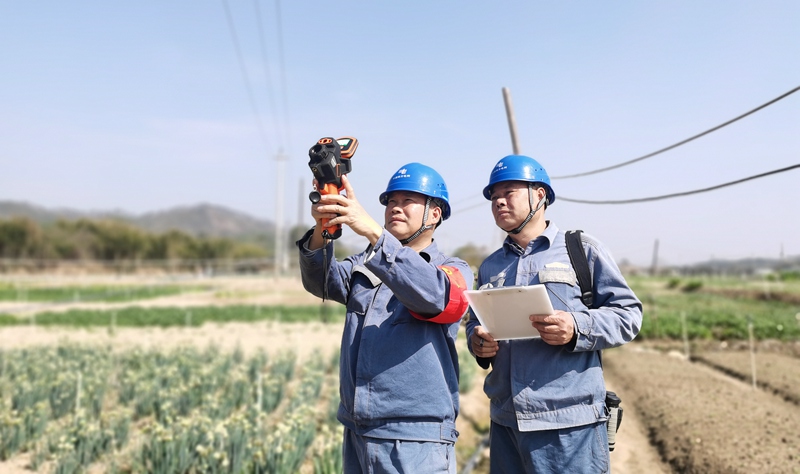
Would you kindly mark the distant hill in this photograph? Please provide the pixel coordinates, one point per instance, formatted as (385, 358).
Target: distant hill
(199, 220)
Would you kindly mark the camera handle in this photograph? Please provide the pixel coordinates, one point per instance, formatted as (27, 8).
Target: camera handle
(329, 159)
(328, 232)
(614, 418)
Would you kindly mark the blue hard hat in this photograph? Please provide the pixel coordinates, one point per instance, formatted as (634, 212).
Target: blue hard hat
(421, 179)
(519, 168)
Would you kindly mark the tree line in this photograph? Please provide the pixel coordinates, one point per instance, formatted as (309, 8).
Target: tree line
(115, 240)
(110, 240)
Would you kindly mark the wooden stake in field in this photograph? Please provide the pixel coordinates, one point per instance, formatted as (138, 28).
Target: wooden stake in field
(685, 336)
(752, 349)
(654, 311)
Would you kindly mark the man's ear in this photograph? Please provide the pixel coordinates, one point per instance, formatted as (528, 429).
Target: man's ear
(435, 213)
(541, 192)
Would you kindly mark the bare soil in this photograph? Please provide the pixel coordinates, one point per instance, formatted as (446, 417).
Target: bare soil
(773, 372)
(703, 421)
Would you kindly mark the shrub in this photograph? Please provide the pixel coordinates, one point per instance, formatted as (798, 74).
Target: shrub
(692, 286)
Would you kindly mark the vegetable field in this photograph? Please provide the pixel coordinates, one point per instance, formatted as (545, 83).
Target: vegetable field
(186, 410)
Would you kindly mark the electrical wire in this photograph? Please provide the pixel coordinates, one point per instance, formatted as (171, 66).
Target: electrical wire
(267, 70)
(685, 193)
(654, 198)
(248, 87)
(469, 208)
(682, 142)
(282, 64)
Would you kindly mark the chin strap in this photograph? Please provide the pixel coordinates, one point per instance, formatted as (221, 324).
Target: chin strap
(532, 210)
(424, 227)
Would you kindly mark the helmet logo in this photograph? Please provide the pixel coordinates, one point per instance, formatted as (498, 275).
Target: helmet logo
(401, 173)
(499, 165)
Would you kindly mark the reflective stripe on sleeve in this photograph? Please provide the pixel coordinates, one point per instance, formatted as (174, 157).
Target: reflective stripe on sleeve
(457, 303)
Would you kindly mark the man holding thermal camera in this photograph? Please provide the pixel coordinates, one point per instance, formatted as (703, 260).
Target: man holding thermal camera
(399, 366)
(547, 394)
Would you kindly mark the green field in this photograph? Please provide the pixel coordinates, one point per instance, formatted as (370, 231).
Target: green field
(135, 316)
(717, 308)
(111, 294)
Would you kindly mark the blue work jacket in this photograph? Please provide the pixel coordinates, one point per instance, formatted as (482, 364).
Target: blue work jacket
(535, 386)
(398, 374)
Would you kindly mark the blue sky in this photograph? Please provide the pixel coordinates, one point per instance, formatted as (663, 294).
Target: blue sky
(142, 107)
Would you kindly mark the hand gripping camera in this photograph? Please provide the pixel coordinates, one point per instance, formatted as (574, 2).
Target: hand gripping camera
(329, 159)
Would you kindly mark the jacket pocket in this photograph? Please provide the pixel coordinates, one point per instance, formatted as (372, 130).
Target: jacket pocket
(362, 290)
(558, 275)
(561, 282)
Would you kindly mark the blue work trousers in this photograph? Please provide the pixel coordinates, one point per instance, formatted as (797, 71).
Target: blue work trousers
(582, 449)
(365, 455)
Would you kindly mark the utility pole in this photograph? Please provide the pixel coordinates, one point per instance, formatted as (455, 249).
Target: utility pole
(301, 201)
(512, 122)
(281, 262)
(654, 266)
(512, 128)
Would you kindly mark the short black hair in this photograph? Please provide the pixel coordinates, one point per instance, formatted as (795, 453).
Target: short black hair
(440, 203)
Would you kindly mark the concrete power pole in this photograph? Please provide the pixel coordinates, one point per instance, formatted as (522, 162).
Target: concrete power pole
(302, 199)
(654, 265)
(281, 260)
(512, 128)
(512, 122)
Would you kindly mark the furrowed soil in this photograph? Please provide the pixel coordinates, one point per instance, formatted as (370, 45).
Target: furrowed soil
(776, 373)
(703, 421)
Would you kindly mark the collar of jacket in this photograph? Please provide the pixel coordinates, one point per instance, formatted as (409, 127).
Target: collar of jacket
(549, 235)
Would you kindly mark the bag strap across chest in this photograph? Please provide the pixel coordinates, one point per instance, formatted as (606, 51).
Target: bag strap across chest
(581, 265)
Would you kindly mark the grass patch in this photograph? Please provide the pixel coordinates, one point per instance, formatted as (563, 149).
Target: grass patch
(9, 320)
(109, 294)
(196, 316)
(710, 316)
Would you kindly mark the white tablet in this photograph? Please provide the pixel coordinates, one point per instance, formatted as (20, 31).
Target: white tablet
(504, 311)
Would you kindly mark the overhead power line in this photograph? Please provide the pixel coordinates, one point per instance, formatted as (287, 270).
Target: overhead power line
(267, 70)
(282, 64)
(248, 87)
(685, 193)
(682, 142)
(655, 198)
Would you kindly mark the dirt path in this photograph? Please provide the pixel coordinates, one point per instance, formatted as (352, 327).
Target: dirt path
(218, 291)
(272, 337)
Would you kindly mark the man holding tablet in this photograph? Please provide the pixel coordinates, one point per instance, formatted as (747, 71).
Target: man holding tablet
(547, 393)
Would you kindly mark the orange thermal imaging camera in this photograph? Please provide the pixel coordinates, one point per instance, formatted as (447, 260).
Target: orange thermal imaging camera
(329, 159)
